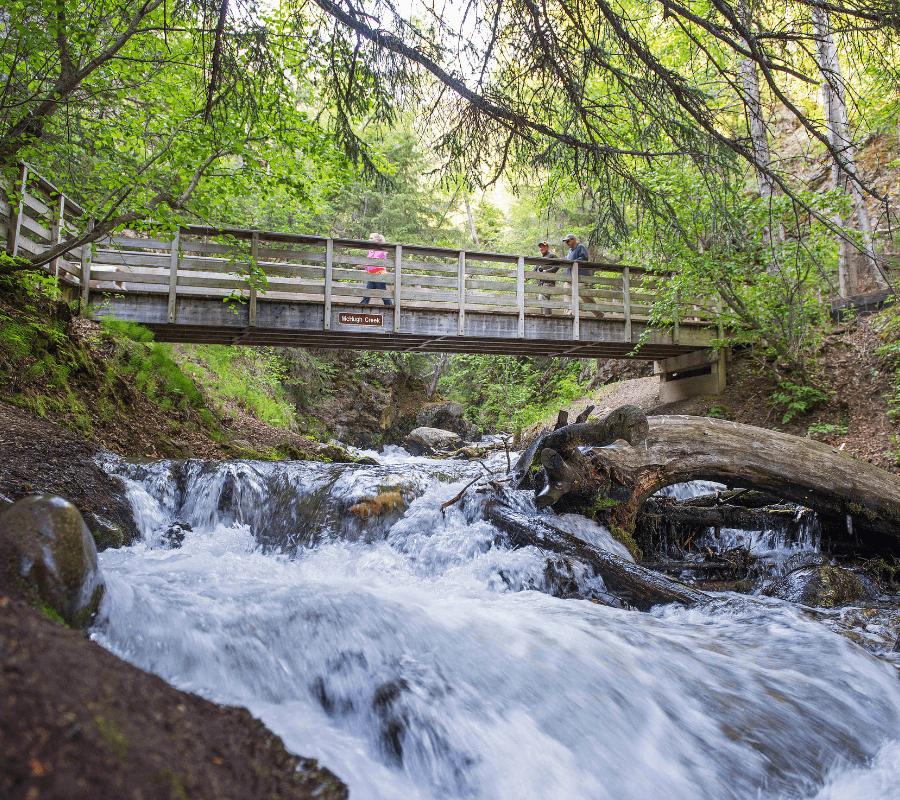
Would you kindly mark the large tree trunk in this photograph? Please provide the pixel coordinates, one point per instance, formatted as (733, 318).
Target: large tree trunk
(843, 169)
(852, 498)
(432, 386)
(756, 126)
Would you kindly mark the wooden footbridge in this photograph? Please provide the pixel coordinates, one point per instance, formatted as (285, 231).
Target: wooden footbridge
(247, 287)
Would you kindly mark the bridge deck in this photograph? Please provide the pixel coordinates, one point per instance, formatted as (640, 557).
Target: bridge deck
(234, 286)
(293, 324)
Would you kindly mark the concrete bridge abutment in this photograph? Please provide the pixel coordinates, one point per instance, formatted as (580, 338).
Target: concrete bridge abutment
(702, 372)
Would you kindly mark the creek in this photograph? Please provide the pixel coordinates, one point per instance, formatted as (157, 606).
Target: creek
(416, 658)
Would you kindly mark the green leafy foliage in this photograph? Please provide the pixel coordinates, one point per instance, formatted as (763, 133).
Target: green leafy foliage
(405, 204)
(250, 378)
(887, 326)
(797, 399)
(153, 369)
(510, 393)
(827, 429)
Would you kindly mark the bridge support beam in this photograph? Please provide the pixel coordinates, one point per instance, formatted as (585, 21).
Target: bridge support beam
(691, 375)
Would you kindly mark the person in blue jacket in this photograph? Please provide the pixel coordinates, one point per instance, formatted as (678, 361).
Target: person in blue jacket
(577, 252)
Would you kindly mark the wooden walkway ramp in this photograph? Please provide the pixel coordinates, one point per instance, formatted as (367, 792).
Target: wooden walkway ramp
(298, 290)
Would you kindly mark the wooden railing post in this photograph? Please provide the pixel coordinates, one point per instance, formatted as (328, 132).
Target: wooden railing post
(576, 310)
(254, 257)
(398, 264)
(15, 214)
(86, 268)
(676, 333)
(626, 301)
(520, 295)
(462, 293)
(173, 277)
(56, 231)
(329, 266)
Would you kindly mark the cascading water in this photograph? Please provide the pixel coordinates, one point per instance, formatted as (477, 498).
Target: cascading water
(794, 544)
(406, 652)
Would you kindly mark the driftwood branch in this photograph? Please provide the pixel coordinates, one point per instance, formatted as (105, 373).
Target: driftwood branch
(568, 471)
(583, 416)
(640, 587)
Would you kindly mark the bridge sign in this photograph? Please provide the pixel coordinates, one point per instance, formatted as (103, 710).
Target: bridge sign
(360, 319)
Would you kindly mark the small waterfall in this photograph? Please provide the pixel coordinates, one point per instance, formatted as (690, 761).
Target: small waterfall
(415, 657)
(286, 505)
(794, 543)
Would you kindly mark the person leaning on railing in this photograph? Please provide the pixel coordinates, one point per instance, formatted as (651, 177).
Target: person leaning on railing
(577, 252)
(376, 269)
(544, 247)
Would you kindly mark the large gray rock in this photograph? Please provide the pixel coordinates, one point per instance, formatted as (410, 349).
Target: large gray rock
(425, 441)
(448, 417)
(53, 553)
(822, 586)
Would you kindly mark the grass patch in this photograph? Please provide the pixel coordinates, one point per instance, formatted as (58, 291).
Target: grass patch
(250, 378)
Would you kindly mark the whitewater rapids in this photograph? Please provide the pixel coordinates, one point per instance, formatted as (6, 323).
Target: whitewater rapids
(415, 658)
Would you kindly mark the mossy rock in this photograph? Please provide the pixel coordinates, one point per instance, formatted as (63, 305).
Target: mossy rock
(53, 557)
(106, 534)
(334, 453)
(291, 452)
(823, 586)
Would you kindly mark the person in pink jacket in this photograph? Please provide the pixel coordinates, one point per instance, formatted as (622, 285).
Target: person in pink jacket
(376, 269)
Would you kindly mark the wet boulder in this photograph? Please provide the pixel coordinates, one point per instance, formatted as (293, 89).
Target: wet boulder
(822, 586)
(173, 537)
(446, 416)
(49, 551)
(106, 533)
(334, 452)
(426, 441)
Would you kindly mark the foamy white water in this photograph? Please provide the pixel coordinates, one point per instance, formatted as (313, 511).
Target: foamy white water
(417, 659)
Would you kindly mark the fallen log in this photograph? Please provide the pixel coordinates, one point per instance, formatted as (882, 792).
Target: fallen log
(857, 503)
(745, 498)
(640, 587)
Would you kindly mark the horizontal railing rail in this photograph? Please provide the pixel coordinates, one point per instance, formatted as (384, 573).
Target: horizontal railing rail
(247, 264)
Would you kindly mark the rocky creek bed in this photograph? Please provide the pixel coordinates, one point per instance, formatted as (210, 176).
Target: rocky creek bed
(372, 616)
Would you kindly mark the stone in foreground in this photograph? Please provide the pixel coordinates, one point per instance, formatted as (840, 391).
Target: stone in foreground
(46, 544)
(822, 586)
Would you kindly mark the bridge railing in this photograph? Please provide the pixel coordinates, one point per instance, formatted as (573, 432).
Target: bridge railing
(35, 216)
(227, 262)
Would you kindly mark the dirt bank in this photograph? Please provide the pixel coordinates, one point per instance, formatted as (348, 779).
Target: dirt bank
(77, 722)
(37, 456)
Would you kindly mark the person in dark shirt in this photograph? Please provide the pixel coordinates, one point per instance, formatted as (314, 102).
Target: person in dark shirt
(544, 247)
(577, 252)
